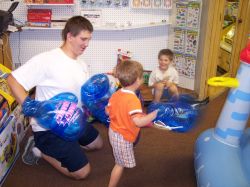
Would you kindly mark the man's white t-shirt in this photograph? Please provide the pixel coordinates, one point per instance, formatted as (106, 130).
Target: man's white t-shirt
(52, 72)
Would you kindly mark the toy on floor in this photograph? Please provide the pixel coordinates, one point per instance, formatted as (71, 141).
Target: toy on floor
(176, 115)
(95, 94)
(222, 153)
(60, 114)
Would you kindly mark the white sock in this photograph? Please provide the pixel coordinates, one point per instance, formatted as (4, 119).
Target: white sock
(37, 152)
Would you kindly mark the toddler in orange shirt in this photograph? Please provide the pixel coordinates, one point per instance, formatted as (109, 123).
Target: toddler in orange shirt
(126, 117)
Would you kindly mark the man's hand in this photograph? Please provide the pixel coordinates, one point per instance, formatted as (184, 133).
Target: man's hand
(30, 107)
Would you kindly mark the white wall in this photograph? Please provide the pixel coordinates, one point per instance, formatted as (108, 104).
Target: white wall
(144, 43)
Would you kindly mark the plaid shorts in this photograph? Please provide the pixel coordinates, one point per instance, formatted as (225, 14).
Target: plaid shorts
(122, 150)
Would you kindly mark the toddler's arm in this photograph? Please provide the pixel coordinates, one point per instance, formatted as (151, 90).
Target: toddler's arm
(144, 120)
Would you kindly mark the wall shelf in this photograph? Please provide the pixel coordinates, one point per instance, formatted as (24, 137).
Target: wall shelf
(105, 28)
(121, 28)
(49, 4)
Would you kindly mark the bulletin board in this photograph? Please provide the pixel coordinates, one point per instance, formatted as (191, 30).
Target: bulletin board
(185, 40)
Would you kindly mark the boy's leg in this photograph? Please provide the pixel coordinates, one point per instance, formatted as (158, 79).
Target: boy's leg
(173, 91)
(115, 175)
(123, 154)
(158, 91)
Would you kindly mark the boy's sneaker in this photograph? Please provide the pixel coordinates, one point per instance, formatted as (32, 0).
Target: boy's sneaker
(28, 156)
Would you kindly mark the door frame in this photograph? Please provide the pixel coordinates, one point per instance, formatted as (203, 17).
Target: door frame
(208, 55)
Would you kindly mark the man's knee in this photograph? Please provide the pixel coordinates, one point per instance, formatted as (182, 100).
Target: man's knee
(82, 173)
(98, 142)
(95, 145)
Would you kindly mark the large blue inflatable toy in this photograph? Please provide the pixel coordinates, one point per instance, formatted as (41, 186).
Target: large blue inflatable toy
(176, 115)
(95, 94)
(60, 114)
(222, 154)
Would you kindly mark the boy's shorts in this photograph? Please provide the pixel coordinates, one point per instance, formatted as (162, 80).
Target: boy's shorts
(122, 150)
(69, 153)
(165, 95)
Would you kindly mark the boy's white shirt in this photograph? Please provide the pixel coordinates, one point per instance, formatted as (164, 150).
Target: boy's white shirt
(170, 74)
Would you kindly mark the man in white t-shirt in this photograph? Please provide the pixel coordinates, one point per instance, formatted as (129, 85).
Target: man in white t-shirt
(51, 73)
(165, 78)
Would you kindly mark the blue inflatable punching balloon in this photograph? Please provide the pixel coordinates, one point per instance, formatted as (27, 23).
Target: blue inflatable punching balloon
(189, 99)
(178, 116)
(60, 114)
(95, 94)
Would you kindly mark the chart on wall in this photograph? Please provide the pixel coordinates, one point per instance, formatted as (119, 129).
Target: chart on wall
(186, 40)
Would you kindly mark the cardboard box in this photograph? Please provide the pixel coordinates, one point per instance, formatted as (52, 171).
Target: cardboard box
(39, 15)
(9, 147)
(6, 56)
(4, 88)
(11, 135)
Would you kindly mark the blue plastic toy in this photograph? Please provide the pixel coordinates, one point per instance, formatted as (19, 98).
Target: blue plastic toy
(95, 94)
(60, 114)
(222, 153)
(178, 115)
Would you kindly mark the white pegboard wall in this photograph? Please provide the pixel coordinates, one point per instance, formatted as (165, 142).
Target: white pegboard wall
(101, 55)
(143, 45)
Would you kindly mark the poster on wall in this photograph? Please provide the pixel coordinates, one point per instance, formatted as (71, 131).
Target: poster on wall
(186, 40)
(179, 63)
(181, 14)
(191, 43)
(190, 66)
(193, 15)
(179, 40)
(185, 65)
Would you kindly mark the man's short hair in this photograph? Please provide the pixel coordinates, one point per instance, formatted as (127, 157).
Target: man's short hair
(75, 25)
